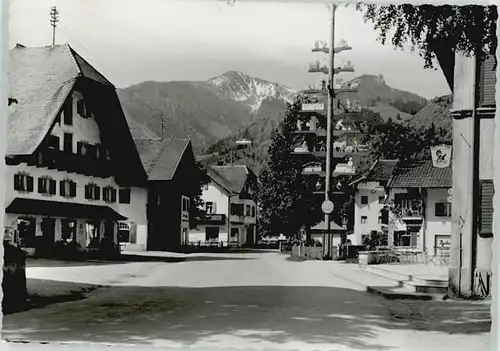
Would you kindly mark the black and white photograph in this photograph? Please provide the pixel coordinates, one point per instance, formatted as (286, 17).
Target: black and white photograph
(249, 175)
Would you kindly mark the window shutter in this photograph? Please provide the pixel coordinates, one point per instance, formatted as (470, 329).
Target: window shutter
(113, 195)
(68, 112)
(17, 182)
(62, 188)
(88, 112)
(486, 212)
(72, 189)
(40, 185)
(79, 107)
(487, 82)
(29, 183)
(97, 192)
(105, 194)
(52, 187)
(88, 191)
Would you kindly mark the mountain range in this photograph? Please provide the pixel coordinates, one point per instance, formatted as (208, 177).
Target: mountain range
(216, 112)
(203, 111)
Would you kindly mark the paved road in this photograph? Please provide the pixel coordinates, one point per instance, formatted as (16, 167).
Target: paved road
(259, 301)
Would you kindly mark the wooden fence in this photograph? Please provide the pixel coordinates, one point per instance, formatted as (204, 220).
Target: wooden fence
(307, 252)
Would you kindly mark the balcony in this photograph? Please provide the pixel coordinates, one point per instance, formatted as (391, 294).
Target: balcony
(213, 219)
(72, 163)
(408, 209)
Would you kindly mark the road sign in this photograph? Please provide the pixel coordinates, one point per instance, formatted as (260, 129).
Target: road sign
(450, 199)
(450, 191)
(327, 207)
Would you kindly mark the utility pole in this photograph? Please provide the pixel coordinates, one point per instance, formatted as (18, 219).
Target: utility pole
(329, 117)
(54, 19)
(162, 127)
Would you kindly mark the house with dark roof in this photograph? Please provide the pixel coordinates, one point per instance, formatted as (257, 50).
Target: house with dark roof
(73, 171)
(419, 199)
(369, 201)
(170, 165)
(230, 208)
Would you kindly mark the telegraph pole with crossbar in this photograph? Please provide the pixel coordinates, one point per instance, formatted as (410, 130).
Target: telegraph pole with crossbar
(54, 19)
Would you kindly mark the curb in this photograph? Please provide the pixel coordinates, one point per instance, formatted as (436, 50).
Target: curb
(400, 296)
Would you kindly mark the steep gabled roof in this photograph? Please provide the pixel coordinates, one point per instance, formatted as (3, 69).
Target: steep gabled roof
(231, 178)
(219, 179)
(421, 174)
(237, 175)
(161, 158)
(381, 170)
(41, 79)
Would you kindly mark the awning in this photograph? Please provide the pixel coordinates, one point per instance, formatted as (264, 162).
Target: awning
(62, 209)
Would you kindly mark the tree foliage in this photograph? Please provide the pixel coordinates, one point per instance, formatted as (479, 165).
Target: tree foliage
(467, 29)
(285, 196)
(200, 178)
(405, 142)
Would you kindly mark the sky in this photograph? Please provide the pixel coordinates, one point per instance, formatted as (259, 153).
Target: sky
(131, 41)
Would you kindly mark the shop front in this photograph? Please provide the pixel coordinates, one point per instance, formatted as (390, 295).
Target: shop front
(39, 226)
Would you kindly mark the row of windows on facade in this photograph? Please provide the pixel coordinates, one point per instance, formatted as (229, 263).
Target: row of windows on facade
(441, 209)
(67, 188)
(243, 210)
(82, 148)
(236, 209)
(364, 200)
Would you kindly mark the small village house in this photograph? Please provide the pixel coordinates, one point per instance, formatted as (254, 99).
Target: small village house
(73, 172)
(172, 183)
(420, 207)
(230, 207)
(369, 201)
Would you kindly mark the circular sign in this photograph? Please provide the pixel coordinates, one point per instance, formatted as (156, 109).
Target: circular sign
(449, 199)
(450, 191)
(327, 207)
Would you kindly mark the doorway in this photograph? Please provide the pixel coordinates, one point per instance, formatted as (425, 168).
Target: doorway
(48, 226)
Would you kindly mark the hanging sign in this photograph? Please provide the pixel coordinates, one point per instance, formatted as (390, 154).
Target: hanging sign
(441, 155)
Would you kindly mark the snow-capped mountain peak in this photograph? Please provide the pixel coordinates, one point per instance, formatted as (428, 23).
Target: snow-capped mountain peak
(248, 90)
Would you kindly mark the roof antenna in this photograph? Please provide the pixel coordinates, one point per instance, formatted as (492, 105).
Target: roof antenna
(54, 18)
